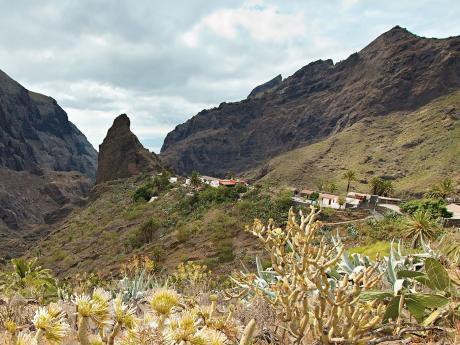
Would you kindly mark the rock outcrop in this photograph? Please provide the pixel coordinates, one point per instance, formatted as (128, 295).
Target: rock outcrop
(398, 71)
(121, 154)
(46, 164)
(260, 90)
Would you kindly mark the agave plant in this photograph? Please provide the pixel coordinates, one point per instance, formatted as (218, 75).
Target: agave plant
(421, 226)
(135, 288)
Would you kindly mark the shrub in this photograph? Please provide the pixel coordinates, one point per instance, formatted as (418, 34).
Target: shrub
(435, 207)
(144, 234)
(327, 213)
(183, 234)
(157, 185)
(225, 251)
(387, 228)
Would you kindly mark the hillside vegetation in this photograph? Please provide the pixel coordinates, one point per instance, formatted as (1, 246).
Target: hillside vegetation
(204, 226)
(414, 149)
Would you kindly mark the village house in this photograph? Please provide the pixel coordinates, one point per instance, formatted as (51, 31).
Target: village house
(324, 199)
(212, 181)
(216, 182)
(388, 201)
(173, 179)
(455, 219)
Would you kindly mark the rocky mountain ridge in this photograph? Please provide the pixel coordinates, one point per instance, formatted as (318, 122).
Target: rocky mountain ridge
(46, 165)
(398, 71)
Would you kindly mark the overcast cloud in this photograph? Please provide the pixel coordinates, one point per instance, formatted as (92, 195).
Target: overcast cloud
(163, 61)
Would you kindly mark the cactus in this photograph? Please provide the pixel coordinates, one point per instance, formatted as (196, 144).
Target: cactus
(248, 333)
(307, 296)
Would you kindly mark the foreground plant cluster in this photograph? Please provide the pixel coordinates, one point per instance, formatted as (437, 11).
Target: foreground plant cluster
(312, 291)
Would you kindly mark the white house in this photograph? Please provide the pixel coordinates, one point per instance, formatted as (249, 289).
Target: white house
(329, 200)
(173, 179)
(324, 200)
(455, 209)
(212, 181)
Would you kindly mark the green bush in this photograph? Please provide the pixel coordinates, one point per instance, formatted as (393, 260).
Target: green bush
(154, 187)
(143, 193)
(327, 213)
(387, 228)
(436, 207)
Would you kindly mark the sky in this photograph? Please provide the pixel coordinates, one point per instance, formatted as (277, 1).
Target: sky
(161, 62)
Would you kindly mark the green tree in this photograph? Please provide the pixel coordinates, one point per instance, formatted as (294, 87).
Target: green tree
(195, 179)
(342, 201)
(420, 226)
(349, 176)
(435, 207)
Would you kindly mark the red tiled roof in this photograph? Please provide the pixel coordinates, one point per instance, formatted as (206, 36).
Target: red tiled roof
(228, 182)
(307, 191)
(328, 196)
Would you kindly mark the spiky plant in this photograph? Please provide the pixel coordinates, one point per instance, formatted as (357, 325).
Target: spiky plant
(24, 338)
(442, 190)
(419, 227)
(183, 329)
(162, 302)
(96, 309)
(124, 316)
(50, 324)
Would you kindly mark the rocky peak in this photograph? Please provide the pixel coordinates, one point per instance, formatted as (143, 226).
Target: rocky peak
(260, 90)
(121, 154)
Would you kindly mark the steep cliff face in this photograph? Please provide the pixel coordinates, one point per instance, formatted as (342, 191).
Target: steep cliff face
(35, 133)
(121, 155)
(398, 71)
(46, 165)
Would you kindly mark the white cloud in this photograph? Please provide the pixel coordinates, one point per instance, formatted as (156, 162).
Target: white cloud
(263, 23)
(162, 62)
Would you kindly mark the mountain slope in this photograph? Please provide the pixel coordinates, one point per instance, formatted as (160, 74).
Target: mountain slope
(46, 165)
(415, 149)
(397, 72)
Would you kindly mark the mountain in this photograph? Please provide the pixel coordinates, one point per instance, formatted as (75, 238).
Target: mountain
(398, 73)
(46, 165)
(121, 155)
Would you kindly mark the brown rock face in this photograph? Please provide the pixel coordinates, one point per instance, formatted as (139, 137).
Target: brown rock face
(46, 165)
(121, 154)
(397, 71)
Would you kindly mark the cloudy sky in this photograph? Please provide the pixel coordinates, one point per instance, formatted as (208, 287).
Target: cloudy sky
(163, 61)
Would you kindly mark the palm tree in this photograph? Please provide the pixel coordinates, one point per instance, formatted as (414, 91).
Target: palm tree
(28, 277)
(381, 187)
(420, 226)
(350, 176)
(442, 190)
(387, 188)
(332, 187)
